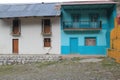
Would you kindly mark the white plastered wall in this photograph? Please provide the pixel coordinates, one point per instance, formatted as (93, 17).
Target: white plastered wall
(31, 39)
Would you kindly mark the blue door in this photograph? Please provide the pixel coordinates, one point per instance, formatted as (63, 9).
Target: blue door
(73, 45)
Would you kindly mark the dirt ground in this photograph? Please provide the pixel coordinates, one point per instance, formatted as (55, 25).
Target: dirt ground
(69, 69)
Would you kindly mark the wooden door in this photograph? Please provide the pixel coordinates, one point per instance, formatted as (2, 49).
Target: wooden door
(15, 46)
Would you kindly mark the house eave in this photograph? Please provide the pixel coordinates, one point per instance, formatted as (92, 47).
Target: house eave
(28, 16)
(87, 3)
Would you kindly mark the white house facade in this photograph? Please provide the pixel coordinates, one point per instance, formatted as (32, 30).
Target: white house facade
(33, 33)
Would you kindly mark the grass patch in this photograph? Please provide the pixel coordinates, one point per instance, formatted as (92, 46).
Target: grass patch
(6, 69)
(75, 58)
(46, 63)
(109, 62)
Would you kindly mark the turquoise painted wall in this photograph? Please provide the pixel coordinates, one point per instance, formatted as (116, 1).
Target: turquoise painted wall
(102, 36)
(99, 49)
(84, 15)
(111, 22)
(112, 16)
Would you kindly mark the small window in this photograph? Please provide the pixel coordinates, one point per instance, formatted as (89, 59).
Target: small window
(90, 41)
(46, 26)
(93, 17)
(16, 27)
(75, 17)
(47, 42)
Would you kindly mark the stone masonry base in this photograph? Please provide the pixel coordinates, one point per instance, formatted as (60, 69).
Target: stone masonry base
(23, 59)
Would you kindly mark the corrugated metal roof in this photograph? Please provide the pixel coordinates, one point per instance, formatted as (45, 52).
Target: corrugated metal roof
(39, 9)
(27, 10)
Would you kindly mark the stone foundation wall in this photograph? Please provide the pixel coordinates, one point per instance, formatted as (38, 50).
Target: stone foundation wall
(23, 59)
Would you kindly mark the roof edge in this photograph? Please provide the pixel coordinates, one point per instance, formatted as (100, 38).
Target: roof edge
(29, 3)
(88, 2)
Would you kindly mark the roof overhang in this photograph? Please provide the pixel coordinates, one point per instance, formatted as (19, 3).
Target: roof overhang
(87, 2)
(10, 17)
(83, 5)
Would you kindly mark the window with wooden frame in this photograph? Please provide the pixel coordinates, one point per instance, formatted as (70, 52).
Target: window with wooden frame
(76, 17)
(16, 27)
(90, 41)
(94, 17)
(94, 21)
(47, 42)
(46, 27)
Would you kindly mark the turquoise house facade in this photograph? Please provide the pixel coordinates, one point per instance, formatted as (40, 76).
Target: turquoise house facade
(86, 27)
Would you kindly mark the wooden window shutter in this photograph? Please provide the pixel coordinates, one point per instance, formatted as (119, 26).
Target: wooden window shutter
(46, 26)
(47, 42)
(16, 26)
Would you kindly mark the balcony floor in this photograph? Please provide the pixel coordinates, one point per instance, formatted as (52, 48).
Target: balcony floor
(82, 29)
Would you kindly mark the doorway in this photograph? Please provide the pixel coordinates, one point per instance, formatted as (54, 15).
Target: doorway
(73, 45)
(15, 46)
